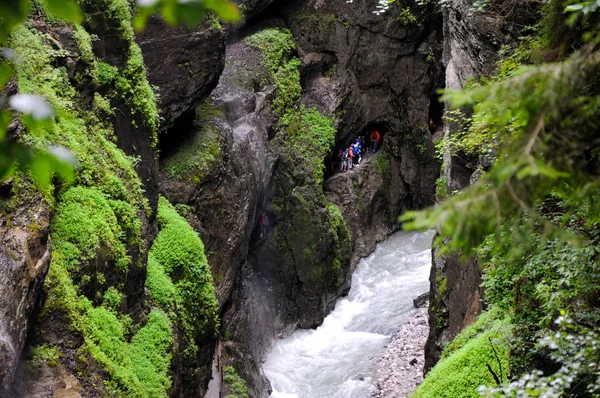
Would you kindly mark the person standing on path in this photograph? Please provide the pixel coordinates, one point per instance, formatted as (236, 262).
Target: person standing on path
(350, 157)
(375, 137)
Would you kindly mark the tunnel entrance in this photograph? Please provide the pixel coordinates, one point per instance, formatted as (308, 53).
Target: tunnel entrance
(436, 113)
(176, 136)
(332, 162)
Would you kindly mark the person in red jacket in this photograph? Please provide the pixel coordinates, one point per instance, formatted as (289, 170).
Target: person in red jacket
(375, 137)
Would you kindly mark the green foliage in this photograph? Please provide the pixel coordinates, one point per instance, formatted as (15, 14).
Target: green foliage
(406, 17)
(340, 235)
(439, 146)
(524, 164)
(101, 163)
(137, 369)
(383, 164)
(308, 131)
(276, 45)
(288, 91)
(461, 371)
(573, 346)
(35, 112)
(179, 279)
(189, 13)
(234, 383)
(44, 354)
(86, 227)
(532, 219)
(180, 252)
(441, 188)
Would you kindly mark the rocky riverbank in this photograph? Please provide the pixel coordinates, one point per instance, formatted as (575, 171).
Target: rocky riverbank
(401, 365)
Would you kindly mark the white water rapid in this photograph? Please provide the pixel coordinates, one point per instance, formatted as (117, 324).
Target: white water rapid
(338, 359)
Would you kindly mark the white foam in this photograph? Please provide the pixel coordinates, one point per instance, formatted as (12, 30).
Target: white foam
(337, 359)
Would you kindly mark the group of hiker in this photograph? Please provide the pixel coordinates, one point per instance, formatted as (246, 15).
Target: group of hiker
(352, 155)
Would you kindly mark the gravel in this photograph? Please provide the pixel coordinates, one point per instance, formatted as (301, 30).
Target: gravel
(401, 364)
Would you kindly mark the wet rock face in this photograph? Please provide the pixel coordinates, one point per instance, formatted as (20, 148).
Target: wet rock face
(184, 64)
(25, 253)
(252, 8)
(455, 301)
(380, 62)
(225, 194)
(371, 197)
(374, 72)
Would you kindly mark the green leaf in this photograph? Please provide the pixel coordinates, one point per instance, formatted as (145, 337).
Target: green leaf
(4, 121)
(227, 11)
(12, 12)
(67, 10)
(574, 7)
(6, 72)
(41, 170)
(63, 162)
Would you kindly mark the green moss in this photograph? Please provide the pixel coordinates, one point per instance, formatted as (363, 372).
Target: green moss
(137, 369)
(310, 132)
(86, 228)
(340, 235)
(180, 252)
(97, 219)
(199, 153)
(275, 44)
(44, 354)
(234, 384)
(406, 17)
(126, 82)
(383, 164)
(179, 279)
(101, 164)
(289, 90)
(465, 368)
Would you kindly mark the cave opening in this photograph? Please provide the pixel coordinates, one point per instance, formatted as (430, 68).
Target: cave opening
(332, 162)
(436, 113)
(177, 135)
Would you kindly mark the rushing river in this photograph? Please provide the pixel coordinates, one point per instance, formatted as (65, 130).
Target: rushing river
(338, 359)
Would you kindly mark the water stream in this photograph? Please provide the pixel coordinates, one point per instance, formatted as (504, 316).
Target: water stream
(338, 359)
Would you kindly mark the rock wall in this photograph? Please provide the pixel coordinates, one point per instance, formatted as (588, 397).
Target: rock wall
(184, 64)
(24, 260)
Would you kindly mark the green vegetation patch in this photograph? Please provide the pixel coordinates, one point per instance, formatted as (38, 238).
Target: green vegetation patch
(137, 369)
(96, 221)
(340, 235)
(234, 384)
(179, 279)
(101, 164)
(200, 152)
(276, 46)
(86, 229)
(465, 368)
